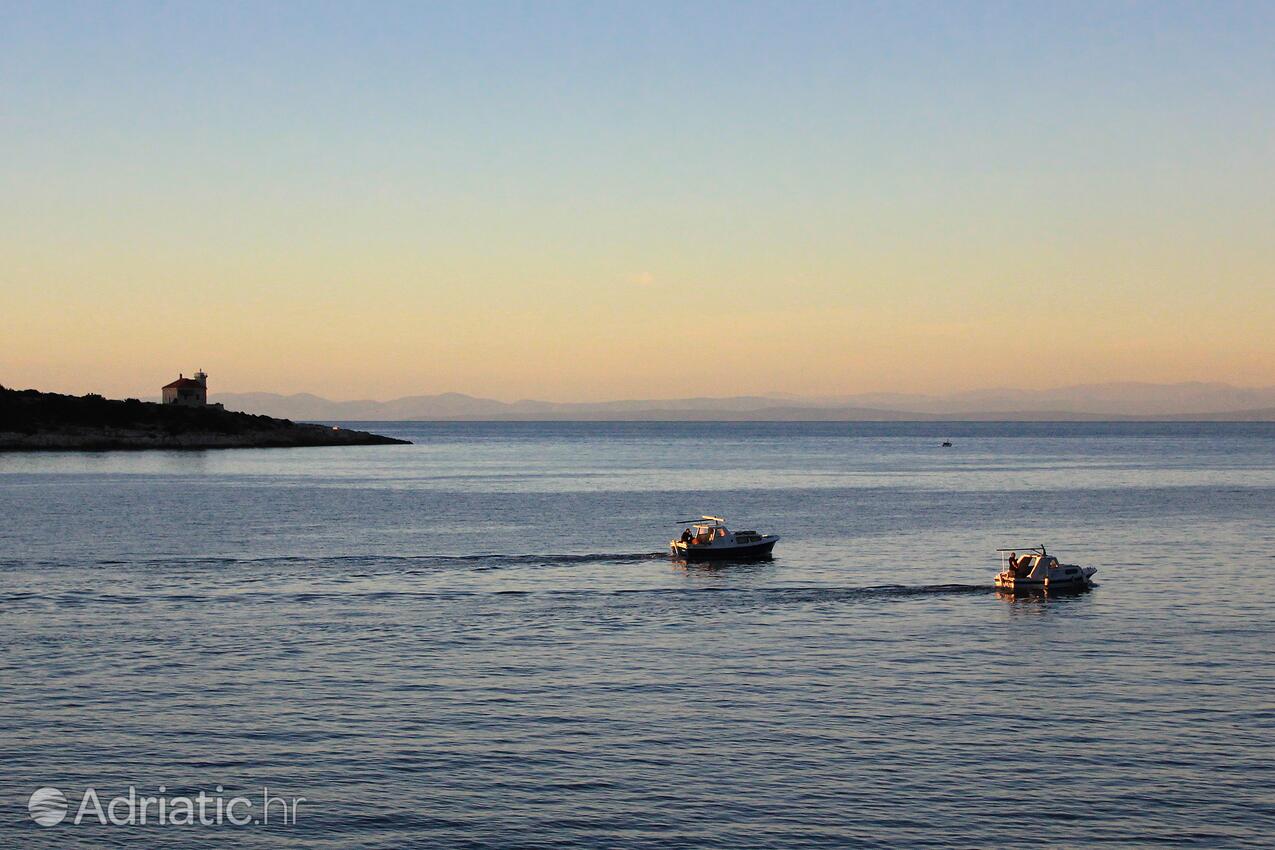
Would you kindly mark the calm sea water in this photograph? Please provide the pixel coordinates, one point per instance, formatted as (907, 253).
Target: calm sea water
(478, 641)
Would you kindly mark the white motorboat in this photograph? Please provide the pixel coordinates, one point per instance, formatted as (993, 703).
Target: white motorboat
(1036, 569)
(708, 538)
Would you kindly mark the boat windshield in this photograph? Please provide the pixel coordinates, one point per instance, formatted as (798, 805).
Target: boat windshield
(706, 532)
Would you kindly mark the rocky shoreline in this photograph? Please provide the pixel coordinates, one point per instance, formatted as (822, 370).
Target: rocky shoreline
(34, 421)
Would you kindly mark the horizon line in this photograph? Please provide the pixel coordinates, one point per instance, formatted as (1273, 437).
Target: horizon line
(775, 395)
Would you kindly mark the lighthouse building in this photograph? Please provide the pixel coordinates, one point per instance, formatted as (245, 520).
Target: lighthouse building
(192, 392)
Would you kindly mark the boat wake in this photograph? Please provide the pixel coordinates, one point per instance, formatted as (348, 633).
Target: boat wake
(827, 594)
(492, 560)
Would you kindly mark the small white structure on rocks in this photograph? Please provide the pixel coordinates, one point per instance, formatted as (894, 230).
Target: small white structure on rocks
(192, 392)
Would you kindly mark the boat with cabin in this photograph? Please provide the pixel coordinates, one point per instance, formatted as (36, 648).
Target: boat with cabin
(1038, 570)
(708, 539)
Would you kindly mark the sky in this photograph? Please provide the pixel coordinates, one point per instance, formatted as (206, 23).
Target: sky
(587, 201)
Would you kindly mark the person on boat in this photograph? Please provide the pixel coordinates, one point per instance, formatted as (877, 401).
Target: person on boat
(686, 535)
(1013, 562)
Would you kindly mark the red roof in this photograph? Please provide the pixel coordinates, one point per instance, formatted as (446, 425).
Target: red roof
(183, 383)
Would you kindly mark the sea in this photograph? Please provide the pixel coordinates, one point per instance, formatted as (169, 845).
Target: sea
(481, 641)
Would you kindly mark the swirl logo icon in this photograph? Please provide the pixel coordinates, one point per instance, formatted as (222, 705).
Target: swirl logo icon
(47, 806)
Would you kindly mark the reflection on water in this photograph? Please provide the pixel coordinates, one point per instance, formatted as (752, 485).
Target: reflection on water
(1042, 594)
(720, 564)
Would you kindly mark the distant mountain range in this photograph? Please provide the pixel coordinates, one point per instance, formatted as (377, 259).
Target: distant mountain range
(1186, 401)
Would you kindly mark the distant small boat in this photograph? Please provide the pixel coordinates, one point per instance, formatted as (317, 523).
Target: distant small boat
(708, 539)
(1038, 570)
(947, 444)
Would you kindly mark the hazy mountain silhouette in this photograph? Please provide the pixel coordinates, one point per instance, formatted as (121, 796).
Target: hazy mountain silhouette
(1087, 401)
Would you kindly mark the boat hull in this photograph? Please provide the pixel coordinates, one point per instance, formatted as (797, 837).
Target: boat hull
(1028, 586)
(748, 551)
(1059, 578)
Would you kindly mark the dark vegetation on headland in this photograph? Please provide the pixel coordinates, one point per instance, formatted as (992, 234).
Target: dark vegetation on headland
(30, 419)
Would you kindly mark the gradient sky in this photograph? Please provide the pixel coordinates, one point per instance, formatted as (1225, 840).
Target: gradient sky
(581, 201)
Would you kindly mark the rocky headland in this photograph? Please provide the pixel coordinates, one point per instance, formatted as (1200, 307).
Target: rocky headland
(33, 420)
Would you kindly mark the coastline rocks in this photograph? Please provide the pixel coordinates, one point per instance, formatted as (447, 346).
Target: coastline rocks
(35, 421)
